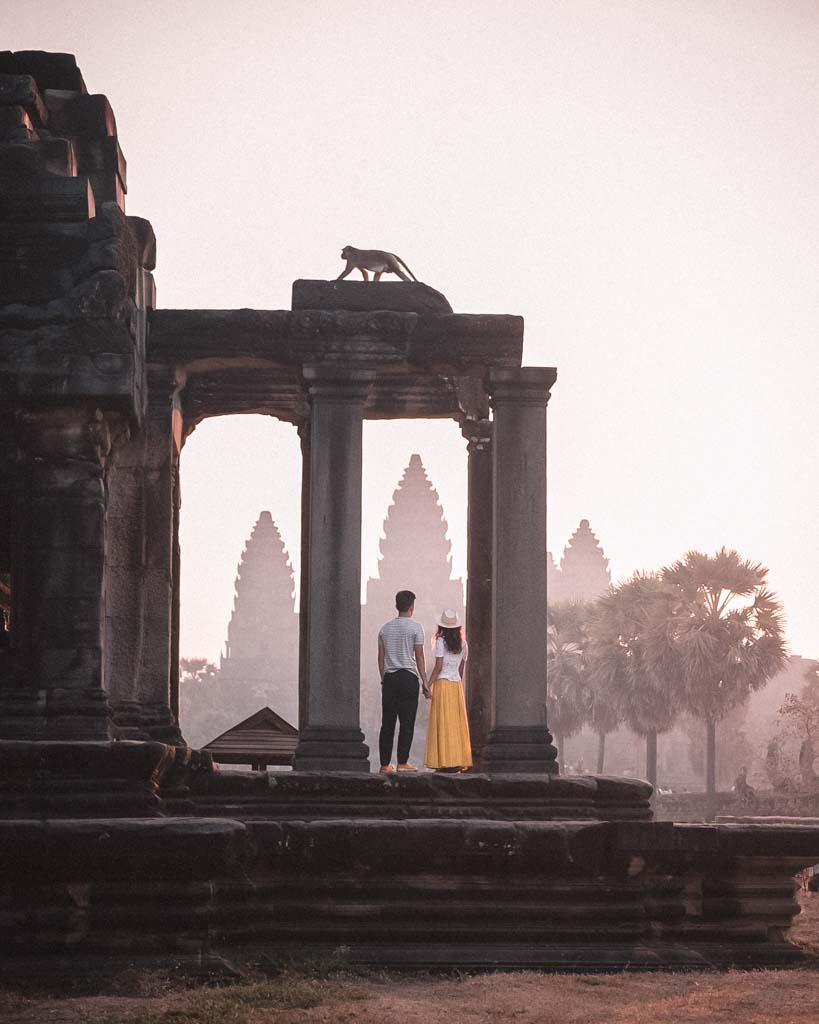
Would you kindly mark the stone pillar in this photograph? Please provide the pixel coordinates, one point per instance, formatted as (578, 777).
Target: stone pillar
(479, 698)
(330, 737)
(519, 740)
(176, 591)
(304, 575)
(140, 570)
(54, 686)
(7, 461)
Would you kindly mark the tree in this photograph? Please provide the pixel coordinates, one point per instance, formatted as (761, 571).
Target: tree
(196, 672)
(801, 716)
(619, 668)
(604, 715)
(567, 695)
(722, 637)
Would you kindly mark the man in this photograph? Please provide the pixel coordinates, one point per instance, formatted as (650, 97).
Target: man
(400, 666)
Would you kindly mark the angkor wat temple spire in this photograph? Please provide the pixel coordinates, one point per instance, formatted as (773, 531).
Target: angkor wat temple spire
(584, 569)
(415, 543)
(262, 643)
(553, 593)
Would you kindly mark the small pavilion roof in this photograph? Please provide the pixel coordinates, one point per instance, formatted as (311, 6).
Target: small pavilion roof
(263, 738)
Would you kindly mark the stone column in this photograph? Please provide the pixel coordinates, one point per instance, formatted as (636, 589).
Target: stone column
(7, 462)
(54, 686)
(140, 569)
(176, 592)
(304, 575)
(330, 737)
(519, 740)
(479, 698)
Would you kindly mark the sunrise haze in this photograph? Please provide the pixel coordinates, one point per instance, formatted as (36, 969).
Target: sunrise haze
(637, 180)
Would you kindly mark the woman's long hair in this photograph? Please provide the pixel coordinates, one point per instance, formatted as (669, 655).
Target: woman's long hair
(453, 637)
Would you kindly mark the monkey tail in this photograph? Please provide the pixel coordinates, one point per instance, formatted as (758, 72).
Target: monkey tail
(403, 264)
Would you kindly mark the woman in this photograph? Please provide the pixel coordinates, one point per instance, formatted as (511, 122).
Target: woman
(448, 746)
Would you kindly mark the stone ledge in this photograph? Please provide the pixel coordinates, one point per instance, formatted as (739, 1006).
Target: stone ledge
(311, 795)
(370, 296)
(413, 894)
(123, 849)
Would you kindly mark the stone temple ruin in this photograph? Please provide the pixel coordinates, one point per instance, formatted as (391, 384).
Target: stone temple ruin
(118, 843)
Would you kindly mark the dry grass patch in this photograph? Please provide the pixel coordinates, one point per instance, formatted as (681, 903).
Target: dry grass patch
(237, 1004)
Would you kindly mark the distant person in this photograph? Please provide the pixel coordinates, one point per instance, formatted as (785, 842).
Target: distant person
(401, 666)
(746, 795)
(448, 746)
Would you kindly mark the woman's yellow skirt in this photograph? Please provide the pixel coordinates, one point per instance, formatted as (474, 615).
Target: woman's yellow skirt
(448, 743)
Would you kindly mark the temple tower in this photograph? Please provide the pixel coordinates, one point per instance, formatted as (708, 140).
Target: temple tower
(263, 635)
(415, 555)
(553, 580)
(584, 569)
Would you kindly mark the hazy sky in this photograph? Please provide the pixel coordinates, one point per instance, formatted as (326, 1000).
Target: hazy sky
(637, 179)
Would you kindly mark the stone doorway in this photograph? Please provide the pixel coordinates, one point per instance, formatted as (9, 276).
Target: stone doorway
(413, 537)
(240, 520)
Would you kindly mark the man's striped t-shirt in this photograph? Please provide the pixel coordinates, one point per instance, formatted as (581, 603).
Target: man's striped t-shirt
(399, 637)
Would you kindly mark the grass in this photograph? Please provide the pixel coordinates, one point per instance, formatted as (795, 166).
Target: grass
(242, 1003)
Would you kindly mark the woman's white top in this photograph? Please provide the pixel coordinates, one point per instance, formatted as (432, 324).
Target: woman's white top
(449, 670)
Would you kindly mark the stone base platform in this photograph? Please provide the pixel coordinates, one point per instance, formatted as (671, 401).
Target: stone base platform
(205, 893)
(310, 795)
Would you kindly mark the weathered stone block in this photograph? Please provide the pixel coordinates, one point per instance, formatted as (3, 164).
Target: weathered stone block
(45, 199)
(88, 116)
(45, 156)
(51, 70)
(15, 125)
(145, 240)
(22, 91)
(103, 161)
(366, 296)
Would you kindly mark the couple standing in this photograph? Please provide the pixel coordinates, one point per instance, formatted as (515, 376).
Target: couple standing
(402, 669)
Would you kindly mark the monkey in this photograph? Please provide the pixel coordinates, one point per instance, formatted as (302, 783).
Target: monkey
(376, 260)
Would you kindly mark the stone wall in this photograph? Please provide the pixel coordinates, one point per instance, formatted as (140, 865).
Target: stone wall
(767, 803)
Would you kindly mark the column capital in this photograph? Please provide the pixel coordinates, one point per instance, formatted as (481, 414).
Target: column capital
(478, 434)
(525, 384)
(338, 383)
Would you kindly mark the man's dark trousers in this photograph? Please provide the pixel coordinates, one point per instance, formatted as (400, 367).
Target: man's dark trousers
(399, 700)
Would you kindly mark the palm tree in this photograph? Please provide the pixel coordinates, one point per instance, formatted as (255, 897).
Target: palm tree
(619, 670)
(604, 715)
(724, 638)
(567, 696)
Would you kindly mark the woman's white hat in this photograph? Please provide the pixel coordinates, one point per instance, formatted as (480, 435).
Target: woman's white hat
(449, 618)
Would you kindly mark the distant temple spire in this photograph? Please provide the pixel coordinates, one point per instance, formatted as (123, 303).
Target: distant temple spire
(552, 579)
(262, 642)
(415, 543)
(584, 569)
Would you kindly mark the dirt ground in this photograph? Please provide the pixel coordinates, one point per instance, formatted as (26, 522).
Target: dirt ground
(755, 997)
